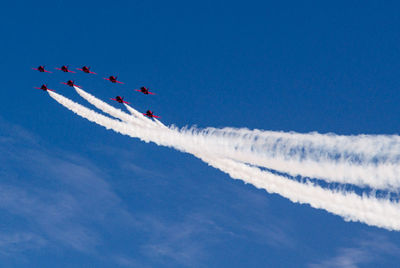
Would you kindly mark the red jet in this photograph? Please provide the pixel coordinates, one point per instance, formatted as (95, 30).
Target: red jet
(70, 83)
(65, 69)
(113, 79)
(150, 114)
(86, 70)
(120, 99)
(44, 88)
(41, 69)
(145, 91)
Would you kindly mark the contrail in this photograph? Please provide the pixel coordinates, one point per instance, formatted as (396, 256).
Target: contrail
(371, 147)
(367, 209)
(307, 159)
(140, 116)
(326, 157)
(143, 133)
(352, 207)
(159, 123)
(117, 113)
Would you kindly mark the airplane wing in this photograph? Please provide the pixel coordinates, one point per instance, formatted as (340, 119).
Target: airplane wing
(151, 93)
(71, 86)
(68, 71)
(43, 70)
(119, 82)
(118, 101)
(151, 116)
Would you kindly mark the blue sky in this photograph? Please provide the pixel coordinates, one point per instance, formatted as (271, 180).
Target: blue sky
(76, 195)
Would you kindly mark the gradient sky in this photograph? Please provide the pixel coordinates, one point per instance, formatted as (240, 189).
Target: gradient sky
(73, 194)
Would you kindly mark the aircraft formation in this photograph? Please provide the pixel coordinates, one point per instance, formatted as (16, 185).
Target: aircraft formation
(86, 69)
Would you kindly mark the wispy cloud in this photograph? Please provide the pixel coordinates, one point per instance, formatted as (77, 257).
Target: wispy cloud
(256, 226)
(55, 214)
(369, 249)
(126, 159)
(128, 262)
(12, 243)
(57, 194)
(182, 241)
(187, 241)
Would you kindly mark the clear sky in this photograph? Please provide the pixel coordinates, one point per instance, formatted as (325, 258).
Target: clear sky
(73, 194)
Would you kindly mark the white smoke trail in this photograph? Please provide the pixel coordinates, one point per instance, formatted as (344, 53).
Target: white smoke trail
(282, 152)
(383, 176)
(316, 162)
(352, 207)
(143, 133)
(368, 147)
(159, 123)
(370, 210)
(133, 112)
(140, 116)
(117, 113)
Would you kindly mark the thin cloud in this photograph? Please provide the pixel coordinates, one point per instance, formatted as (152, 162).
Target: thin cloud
(182, 241)
(367, 250)
(15, 242)
(62, 195)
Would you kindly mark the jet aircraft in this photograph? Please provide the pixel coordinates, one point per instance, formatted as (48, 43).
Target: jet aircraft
(65, 69)
(70, 83)
(44, 88)
(150, 114)
(86, 70)
(113, 79)
(120, 99)
(145, 91)
(41, 69)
